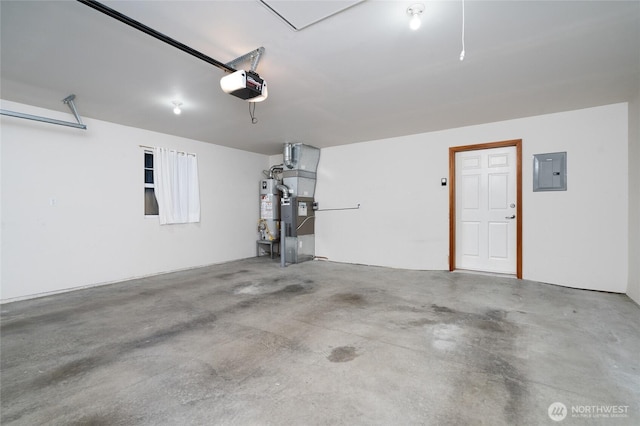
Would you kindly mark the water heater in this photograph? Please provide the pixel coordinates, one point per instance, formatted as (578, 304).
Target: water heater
(268, 224)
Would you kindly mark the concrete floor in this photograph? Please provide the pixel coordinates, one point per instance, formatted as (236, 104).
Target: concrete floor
(320, 343)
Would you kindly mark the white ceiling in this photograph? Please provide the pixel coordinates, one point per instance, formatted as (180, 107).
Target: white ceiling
(358, 75)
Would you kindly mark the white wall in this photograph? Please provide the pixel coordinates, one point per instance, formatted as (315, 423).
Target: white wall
(633, 289)
(96, 231)
(576, 238)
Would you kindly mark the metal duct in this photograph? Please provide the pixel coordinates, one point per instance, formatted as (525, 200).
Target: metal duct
(302, 161)
(284, 189)
(288, 155)
(272, 171)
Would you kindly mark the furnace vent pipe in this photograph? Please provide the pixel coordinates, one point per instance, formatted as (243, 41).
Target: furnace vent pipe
(273, 170)
(284, 189)
(270, 174)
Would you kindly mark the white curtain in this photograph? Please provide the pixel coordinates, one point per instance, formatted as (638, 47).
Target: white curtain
(175, 176)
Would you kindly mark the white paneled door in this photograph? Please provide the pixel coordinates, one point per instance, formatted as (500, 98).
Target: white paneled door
(485, 200)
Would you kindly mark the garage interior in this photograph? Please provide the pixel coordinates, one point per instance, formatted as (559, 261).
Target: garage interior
(320, 274)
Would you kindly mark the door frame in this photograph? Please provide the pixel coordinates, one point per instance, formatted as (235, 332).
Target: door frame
(452, 197)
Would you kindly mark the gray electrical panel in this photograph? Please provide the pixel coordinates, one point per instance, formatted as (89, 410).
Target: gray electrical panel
(550, 172)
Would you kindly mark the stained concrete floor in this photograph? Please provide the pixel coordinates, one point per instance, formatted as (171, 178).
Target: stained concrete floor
(319, 343)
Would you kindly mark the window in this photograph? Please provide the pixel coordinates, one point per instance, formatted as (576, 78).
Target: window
(150, 201)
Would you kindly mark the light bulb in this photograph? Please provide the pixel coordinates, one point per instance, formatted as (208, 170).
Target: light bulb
(176, 109)
(462, 55)
(415, 22)
(415, 11)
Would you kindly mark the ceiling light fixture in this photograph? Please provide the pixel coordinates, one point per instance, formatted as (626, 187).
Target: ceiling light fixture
(176, 107)
(415, 11)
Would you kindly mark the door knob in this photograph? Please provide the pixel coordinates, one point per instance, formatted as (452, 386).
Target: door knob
(513, 216)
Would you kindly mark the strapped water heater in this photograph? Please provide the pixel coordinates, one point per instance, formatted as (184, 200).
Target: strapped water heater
(268, 224)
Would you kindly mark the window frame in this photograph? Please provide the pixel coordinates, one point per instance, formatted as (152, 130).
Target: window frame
(148, 185)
